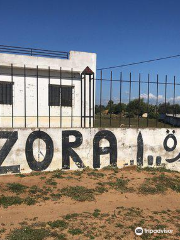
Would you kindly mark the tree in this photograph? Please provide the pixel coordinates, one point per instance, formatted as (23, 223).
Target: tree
(152, 111)
(136, 107)
(99, 108)
(110, 106)
(119, 108)
(169, 108)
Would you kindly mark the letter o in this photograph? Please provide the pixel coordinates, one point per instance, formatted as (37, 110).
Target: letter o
(33, 164)
(170, 149)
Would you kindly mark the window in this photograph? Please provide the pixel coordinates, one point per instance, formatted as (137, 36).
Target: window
(55, 91)
(6, 93)
(54, 95)
(66, 96)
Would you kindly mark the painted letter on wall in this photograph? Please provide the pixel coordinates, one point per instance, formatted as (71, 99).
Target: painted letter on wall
(112, 149)
(67, 149)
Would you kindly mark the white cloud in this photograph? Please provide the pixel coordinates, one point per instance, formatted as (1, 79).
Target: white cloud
(151, 96)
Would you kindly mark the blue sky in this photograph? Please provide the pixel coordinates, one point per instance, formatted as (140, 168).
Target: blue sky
(118, 31)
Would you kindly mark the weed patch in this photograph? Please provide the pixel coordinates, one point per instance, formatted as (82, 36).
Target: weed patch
(30, 201)
(96, 213)
(75, 231)
(78, 193)
(120, 185)
(34, 189)
(16, 187)
(28, 233)
(10, 200)
(58, 174)
(58, 224)
(159, 184)
(71, 216)
(96, 174)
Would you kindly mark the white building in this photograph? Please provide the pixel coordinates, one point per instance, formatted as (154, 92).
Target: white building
(47, 92)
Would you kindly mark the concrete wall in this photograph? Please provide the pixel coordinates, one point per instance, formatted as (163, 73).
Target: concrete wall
(70, 75)
(24, 150)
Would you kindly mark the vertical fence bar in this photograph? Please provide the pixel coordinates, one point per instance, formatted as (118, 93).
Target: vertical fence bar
(12, 123)
(148, 104)
(25, 122)
(120, 98)
(165, 99)
(0, 111)
(139, 97)
(72, 97)
(93, 99)
(111, 99)
(81, 98)
(101, 99)
(49, 91)
(129, 97)
(174, 96)
(157, 100)
(90, 101)
(37, 98)
(84, 100)
(60, 79)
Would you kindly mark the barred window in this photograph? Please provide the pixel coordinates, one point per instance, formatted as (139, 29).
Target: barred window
(60, 95)
(66, 96)
(6, 93)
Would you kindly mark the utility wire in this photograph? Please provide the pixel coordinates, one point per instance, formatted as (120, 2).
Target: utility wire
(141, 62)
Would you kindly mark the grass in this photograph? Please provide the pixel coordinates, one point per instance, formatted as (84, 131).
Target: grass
(10, 200)
(75, 231)
(111, 168)
(120, 185)
(96, 225)
(78, 193)
(58, 224)
(16, 187)
(71, 216)
(146, 189)
(58, 174)
(60, 236)
(96, 213)
(115, 122)
(95, 174)
(100, 189)
(93, 224)
(154, 169)
(167, 182)
(77, 173)
(51, 182)
(6, 201)
(30, 201)
(28, 233)
(159, 184)
(34, 190)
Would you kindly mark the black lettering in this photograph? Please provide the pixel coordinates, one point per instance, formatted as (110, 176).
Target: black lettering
(33, 164)
(97, 151)
(67, 149)
(5, 150)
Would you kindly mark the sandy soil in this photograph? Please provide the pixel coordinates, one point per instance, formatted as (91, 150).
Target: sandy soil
(111, 209)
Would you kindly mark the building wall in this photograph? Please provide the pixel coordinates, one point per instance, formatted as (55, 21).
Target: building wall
(50, 149)
(70, 75)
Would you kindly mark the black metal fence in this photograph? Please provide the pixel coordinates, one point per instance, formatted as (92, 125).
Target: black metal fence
(33, 52)
(79, 113)
(136, 101)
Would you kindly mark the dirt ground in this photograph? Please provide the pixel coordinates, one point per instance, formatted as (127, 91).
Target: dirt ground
(90, 204)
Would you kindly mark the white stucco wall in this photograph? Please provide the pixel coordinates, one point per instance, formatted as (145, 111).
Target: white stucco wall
(127, 148)
(70, 75)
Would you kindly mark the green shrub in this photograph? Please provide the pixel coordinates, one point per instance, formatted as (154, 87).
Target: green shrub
(16, 187)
